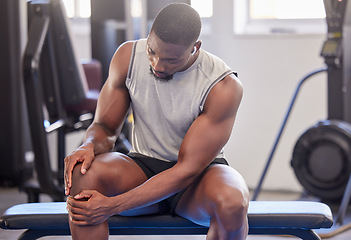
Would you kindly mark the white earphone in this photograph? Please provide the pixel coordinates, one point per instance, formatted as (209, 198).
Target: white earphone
(194, 51)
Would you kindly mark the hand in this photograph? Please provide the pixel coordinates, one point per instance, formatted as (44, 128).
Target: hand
(89, 207)
(84, 154)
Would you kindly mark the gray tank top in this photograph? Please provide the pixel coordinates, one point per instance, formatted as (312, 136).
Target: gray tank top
(164, 111)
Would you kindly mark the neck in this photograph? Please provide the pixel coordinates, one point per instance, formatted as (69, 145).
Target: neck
(191, 60)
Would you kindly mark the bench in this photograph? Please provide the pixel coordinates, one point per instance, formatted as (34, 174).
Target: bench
(294, 218)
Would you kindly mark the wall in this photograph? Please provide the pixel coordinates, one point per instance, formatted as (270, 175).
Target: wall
(270, 68)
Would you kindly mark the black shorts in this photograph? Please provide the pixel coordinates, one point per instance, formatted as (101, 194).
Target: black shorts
(152, 166)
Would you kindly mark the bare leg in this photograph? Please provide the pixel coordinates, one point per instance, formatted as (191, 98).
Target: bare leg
(218, 199)
(110, 174)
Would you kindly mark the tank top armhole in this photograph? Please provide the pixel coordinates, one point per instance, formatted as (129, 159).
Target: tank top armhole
(131, 62)
(220, 78)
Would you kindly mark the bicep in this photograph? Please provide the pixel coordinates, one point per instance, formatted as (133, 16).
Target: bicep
(114, 100)
(212, 129)
(112, 107)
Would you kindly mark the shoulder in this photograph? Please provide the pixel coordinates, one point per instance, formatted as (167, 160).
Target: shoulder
(225, 97)
(122, 56)
(120, 63)
(212, 60)
(230, 85)
(213, 68)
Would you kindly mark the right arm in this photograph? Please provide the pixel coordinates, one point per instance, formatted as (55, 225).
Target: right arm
(110, 114)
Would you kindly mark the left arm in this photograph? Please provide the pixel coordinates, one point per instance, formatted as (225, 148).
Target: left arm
(212, 129)
(205, 138)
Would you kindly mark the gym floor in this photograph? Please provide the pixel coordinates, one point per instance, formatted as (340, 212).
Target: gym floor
(11, 196)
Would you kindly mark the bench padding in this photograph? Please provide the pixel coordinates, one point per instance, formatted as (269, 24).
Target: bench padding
(268, 215)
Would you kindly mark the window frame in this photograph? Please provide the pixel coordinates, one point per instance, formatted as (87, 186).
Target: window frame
(244, 25)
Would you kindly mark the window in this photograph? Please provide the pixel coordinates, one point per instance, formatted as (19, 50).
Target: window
(279, 16)
(81, 8)
(203, 7)
(283, 9)
(77, 8)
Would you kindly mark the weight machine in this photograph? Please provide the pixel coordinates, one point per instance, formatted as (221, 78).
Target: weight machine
(322, 155)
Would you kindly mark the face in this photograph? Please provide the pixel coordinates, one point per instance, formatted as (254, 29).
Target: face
(167, 58)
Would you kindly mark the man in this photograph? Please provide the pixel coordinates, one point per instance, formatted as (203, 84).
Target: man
(184, 102)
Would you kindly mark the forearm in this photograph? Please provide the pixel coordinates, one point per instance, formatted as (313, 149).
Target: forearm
(100, 137)
(157, 188)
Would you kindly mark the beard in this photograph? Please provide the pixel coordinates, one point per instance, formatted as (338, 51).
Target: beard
(159, 79)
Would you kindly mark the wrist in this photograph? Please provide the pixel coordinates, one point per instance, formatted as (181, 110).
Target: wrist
(88, 146)
(116, 206)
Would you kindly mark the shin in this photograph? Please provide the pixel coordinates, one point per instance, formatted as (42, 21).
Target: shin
(81, 182)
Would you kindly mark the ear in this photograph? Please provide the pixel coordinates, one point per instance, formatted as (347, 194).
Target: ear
(194, 50)
(197, 46)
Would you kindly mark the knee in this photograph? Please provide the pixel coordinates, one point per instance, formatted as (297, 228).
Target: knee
(110, 174)
(82, 181)
(92, 179)
(231, 209)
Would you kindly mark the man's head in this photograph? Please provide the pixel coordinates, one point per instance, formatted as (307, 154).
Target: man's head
(177, 23)
(172, 42)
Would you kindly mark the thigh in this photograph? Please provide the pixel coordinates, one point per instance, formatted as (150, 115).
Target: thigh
(111, 174)
(219, 184)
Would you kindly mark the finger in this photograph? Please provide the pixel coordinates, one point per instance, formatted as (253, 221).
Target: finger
(84, 195)
(78, 222)
(85, 221)
(66, 173)
(77, 217)
(66, 176)
(70, 163)
(72, 203)
(86, 164)
(67, 184)
(76, 211)
(66, 160)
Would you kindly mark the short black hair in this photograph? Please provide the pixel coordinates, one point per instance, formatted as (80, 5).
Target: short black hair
(177, 23)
